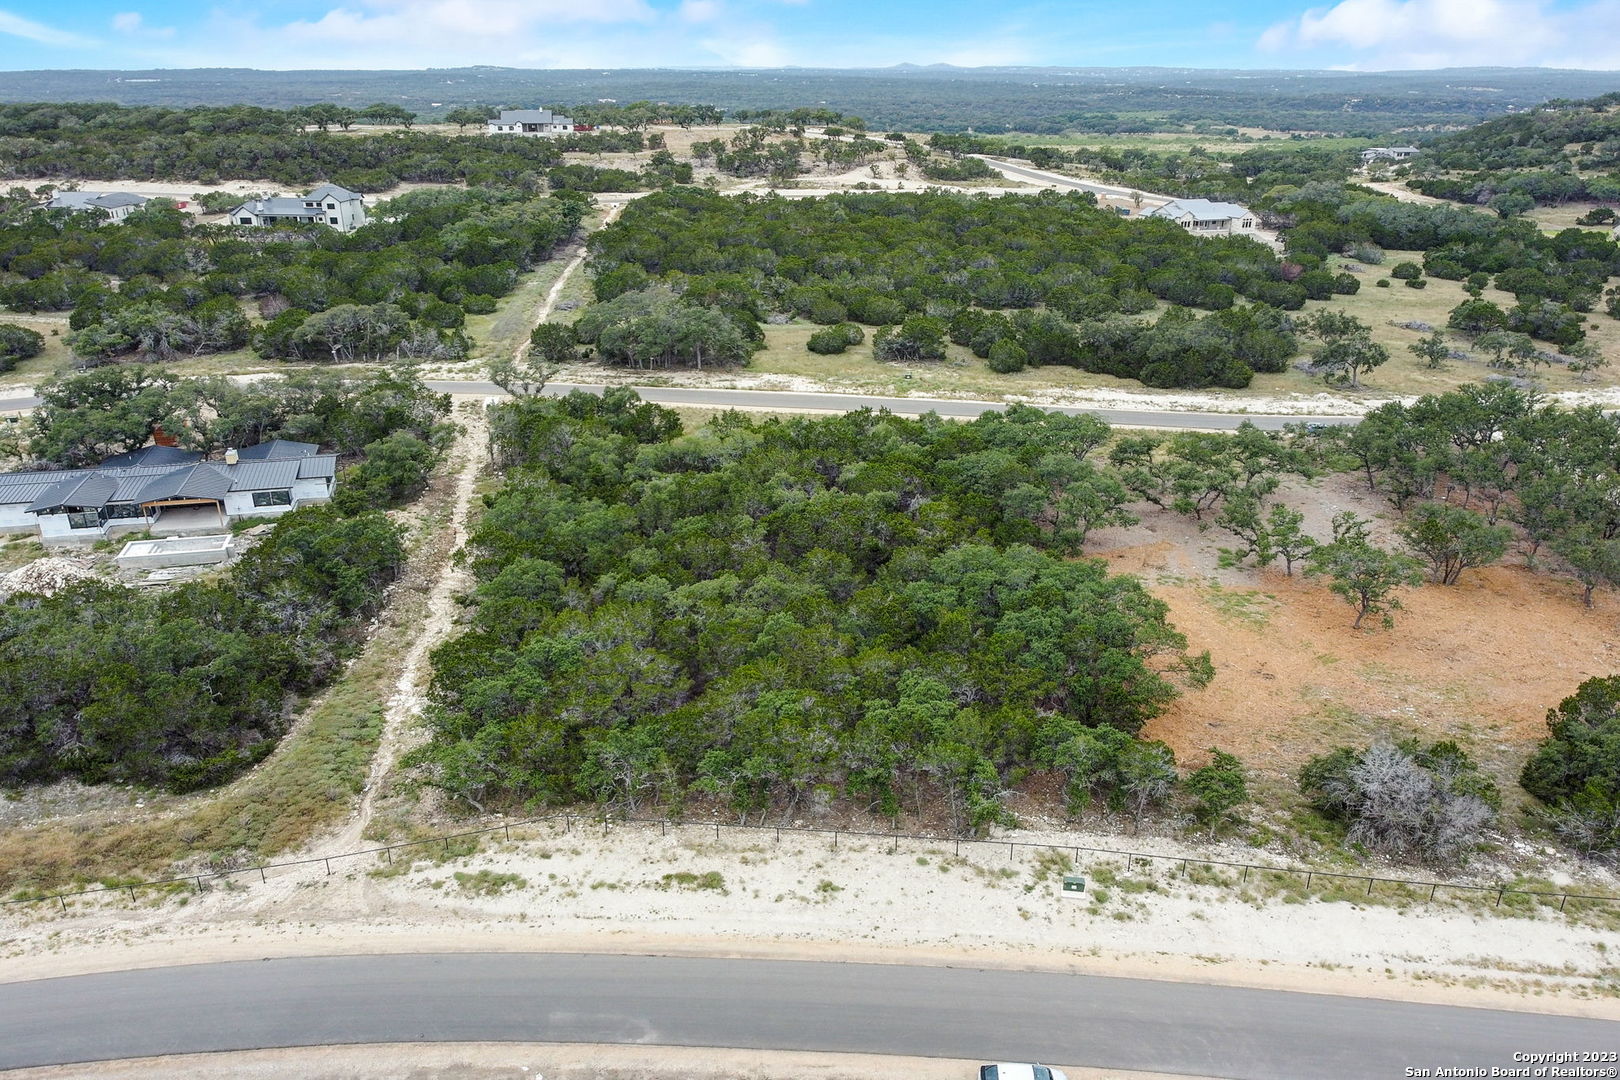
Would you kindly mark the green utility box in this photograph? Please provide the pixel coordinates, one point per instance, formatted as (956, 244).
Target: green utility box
(1074, 883)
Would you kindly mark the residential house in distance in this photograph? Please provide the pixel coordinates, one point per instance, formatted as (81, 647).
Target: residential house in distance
(165, 490)
(1205, 218)
(117, 205)
(335, 207)
(542, 122)
(1387, 153)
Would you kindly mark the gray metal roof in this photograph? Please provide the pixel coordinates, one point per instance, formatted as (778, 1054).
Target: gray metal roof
(200, 481)
(311, 468)
(1202, 209)
(278, 206)
(42, 491)
(152, 455)
(277, 450)
(532, 116)
(85, 200)
(333, 192)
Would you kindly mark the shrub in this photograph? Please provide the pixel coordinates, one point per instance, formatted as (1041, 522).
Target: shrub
(920, 337)
(1406, 271)
(1382, 283)
(835, 339)
(1404, 799)
(1576, 769)
(18, 343)
(1007, 356)
(1417, 283)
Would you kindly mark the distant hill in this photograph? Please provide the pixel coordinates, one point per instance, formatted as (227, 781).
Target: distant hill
(932, 98)
(1557, 132)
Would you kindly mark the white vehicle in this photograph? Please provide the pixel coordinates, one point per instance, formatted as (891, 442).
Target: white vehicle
(1008, 1071)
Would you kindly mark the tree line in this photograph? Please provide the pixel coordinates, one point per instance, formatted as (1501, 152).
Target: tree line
(931, 263)
(400, 286)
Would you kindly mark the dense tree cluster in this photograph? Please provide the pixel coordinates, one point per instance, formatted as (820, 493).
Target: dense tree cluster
(1561, 151)
(18, 343)
(89, 416)
(100, 141)
(886, 260)
(159, 288)
(784, 611)
(188, 687)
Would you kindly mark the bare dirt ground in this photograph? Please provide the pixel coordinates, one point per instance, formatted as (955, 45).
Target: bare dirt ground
(1292, 675)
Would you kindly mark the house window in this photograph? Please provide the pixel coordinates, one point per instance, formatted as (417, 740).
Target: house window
(118, 511)
(247, 221)
(84, 519)
(273, 498)
(331, 206)
(331, 221)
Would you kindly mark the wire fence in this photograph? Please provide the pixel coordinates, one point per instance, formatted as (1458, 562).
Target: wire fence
(1414, 888)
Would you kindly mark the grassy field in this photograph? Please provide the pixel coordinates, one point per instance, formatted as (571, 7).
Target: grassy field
(962, 374)
(1558, 218)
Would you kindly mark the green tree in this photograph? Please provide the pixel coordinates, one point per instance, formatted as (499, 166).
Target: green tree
(18, 343)
(1432, 350)
(1217, 788)
(1364, 576)
(1452, 539)
(1576, 769)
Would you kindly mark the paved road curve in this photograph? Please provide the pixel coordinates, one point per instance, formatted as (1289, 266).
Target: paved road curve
(757, 1004)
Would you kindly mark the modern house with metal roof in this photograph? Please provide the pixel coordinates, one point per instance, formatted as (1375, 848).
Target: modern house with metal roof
(335, 207)
(166, 491)
(1205, 218)
(117, 205)
(531, 122)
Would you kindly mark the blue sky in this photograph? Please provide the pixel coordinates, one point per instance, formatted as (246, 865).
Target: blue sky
(1360, 34)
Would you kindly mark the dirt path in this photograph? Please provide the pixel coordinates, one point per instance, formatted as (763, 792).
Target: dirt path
(545, 309)
(405, 706)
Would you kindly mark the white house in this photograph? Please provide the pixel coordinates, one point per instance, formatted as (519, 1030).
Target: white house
(1205, 218)
(117, 205)
(531, 122)
(329, 205)
(1387, 153)
(165, 490)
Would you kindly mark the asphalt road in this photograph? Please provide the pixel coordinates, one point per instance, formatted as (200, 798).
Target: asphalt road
(1024, 172)
(757, 1004)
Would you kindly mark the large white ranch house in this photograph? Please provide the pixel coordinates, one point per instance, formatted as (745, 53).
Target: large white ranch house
(335, 207)
(541, 122)
(1205, 218)
(166, 491)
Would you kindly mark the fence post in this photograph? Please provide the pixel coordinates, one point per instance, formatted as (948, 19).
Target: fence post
(779, 834)
(663, 827)
(508, 829)
(894, 844)
(388, 853)
(1369, 886)
(1245, 873)
(835, 839)
(132, 894)
(1308, 875)
(1432, 888)
(1562, 901)
(262, 879)
(1499, 894)
(447, 845)
(63, 902)
(329, 861)
(1009, 852)
(199, 883)
(1183, 867)
(717, 830)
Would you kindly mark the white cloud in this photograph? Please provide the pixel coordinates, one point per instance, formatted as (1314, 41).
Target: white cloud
(133, 24)
(17, 26)
(700, 11)
(1372, 34)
